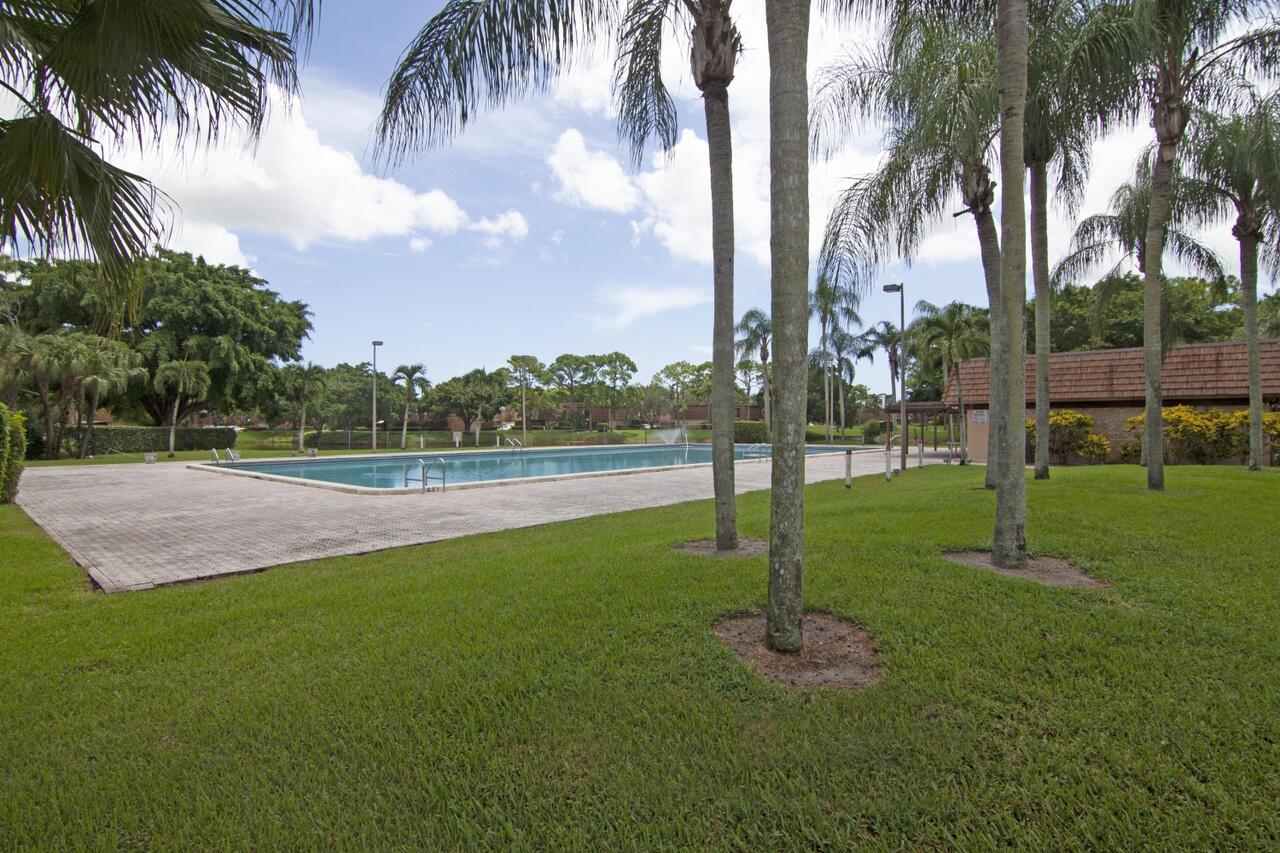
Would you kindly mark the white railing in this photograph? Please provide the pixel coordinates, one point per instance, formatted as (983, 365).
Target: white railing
(425, 467)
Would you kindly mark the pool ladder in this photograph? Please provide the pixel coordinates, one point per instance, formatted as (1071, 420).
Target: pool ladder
(425, 477)
(757, 451)
(515, 445)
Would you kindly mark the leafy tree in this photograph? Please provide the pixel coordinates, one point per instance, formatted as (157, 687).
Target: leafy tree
(472, 396)
(189, 68)
(685, 382)
(948, 335)
(573, 374)
(108, 369)
(181, 379)
(526, 371)
(615, 371)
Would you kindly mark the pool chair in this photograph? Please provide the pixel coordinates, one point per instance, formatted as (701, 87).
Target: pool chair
(233, 455)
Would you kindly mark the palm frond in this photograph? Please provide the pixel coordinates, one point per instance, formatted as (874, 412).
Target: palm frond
(476, 53)
(646, 109)
(60, 197)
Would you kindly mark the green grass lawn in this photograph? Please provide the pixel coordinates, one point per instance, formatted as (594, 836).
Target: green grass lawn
(560, 687)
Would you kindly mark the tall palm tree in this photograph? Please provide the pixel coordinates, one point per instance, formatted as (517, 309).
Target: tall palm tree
(933, 80)
(834, 306)
(500, 49)
(306, 384)
(844, 355)
(186, 378)
(947, 335)
(756, 337)
(788, 26)
(109, 369)
(883, 336)
(192, 67)
(526, 370)
(1184, 60)
(1234, 166)
(414, 378)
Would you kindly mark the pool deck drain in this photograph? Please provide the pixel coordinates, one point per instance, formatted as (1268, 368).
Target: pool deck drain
(135, 526)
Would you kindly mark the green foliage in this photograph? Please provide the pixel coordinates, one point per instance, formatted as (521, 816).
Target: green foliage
(750, 432)
(143, 439)
(872, 431)
(1208, 436)
(1095, 448)
(13, 447)
(1069, 434)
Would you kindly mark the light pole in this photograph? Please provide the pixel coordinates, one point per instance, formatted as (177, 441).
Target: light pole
(901, 290)
(374, 418)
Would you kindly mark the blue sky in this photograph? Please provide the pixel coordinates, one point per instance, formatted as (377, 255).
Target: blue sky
(532, 233)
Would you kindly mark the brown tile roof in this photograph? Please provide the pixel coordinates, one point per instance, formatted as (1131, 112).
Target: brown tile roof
(1191, 372)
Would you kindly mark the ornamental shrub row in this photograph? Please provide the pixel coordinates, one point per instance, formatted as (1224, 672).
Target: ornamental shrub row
(1206, 436)
(150, 439)
(1070, 436)
(13, 448)
(750, 432)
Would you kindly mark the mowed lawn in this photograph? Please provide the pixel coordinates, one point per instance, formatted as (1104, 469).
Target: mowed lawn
(560, 687)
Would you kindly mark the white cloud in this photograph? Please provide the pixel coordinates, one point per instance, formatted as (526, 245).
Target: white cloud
(293, 185)
(592, 179)
(215, 243)
(622, 306)
(501, 228)
(418, 245)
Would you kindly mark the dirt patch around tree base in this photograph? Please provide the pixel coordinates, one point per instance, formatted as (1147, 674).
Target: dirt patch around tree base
(837, 654)
(1050, 571)
(707, 548)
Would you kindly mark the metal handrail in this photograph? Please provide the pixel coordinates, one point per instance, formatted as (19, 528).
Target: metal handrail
(756, 451)
(424, 472)
(516, 445)
(888, 456)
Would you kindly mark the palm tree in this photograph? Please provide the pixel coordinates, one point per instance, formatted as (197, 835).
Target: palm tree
(1183, 62)
(109, 369)
(948, 335)
(190, 67)
(414, 378)
(306, 384)
(844, 354)
(788, 27)
(186, 378)
(883, 336)
(756, 331)
(933, 80)
(833, 305)
(500, 50)
(1234, 165)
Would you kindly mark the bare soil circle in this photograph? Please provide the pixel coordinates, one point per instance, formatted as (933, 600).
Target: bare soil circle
(1049, 571)
(707, 548)
(837, 654)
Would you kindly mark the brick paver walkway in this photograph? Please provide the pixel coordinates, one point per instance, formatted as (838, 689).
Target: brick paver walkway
(137, 526)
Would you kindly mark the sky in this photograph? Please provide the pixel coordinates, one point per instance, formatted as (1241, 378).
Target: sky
(531, 233)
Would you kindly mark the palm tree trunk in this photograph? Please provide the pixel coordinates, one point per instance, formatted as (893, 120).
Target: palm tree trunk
(964, 426)
(989, 247)
(173, 424)
(787, 22)
(524, 418)
(1040, 275)
(768, 408)
(840, 391)
(94, 399)
(404, 423)
(1249, 297)
(1152, 309)
(715, 101)
(1009, 544)
(302, 426)
(42, 391)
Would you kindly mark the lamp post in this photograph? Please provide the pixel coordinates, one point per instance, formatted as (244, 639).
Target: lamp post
(901, 290)
(374, 417)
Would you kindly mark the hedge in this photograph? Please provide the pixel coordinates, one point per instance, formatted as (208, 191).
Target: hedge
(139, 439)
(13, 448)
(750, 432)
(1206, 436)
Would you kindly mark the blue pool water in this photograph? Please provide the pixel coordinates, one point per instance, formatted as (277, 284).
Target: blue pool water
(389, 472)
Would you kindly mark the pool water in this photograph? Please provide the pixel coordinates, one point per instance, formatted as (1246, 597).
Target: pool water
(390, 472)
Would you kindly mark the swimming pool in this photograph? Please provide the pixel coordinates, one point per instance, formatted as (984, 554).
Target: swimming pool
(400, 472)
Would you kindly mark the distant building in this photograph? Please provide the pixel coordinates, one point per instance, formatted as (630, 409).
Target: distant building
(1109, 385)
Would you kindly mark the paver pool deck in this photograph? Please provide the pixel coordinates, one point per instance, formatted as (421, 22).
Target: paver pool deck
(136, 526)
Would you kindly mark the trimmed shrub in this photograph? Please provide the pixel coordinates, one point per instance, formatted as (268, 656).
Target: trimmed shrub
(140, 439)
(1068, 432)
(750, 432)
(15, 449)
(1131, 452)
(1095, 448)
(871, 431)
(1208, 436)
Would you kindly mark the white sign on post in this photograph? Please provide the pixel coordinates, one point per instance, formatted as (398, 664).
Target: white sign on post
(980, 416)
(457, 438)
